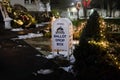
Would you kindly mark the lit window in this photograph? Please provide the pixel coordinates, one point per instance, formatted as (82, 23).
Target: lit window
(26, 1)
(29, 1)
(71, 13)
(32, 1)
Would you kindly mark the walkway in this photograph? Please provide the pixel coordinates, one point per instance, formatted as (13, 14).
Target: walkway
(20, 61)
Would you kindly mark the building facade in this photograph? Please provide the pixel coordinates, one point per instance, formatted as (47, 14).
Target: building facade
(32, 5)
(71, 13)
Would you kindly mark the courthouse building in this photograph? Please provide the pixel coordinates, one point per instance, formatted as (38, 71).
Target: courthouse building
(31, 5)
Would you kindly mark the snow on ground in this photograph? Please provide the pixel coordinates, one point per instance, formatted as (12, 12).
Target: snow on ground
(68, 69)
(17, 29)
(62, 55)
(44, 71)
(30, 35)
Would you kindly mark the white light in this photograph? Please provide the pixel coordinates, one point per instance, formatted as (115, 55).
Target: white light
(72, 4)
(73, 9)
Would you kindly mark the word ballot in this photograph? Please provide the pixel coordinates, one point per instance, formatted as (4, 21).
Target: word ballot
(62, 35)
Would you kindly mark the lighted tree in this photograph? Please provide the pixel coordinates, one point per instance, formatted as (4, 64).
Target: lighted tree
(19, 14)
(92, 53)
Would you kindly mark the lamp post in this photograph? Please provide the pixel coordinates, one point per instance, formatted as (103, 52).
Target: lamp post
(86, 4)
(6, 17)
(78, 5)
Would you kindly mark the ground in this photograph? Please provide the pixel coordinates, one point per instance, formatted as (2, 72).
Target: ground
(42, 44)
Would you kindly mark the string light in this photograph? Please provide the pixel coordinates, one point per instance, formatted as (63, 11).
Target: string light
(114, 60)
(105, 45)
(102, 43)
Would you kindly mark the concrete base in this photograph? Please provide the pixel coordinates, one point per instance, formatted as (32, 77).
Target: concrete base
(7, 23)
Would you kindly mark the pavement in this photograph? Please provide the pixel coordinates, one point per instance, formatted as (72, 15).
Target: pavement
(42, 44)
(20, 61)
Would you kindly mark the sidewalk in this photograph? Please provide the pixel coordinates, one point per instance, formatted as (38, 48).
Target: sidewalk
(42, 44)
(20, 61)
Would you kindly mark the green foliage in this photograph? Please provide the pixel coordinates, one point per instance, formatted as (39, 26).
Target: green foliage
(20, 16)
(78, 26)
(55, 13)
(78, 22)
(95, 53)
(47, 34)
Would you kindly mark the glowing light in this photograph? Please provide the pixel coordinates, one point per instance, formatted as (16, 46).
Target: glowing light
(73, 9)
(119, 68)
(102, 44)
(114, 60)
(19, 22)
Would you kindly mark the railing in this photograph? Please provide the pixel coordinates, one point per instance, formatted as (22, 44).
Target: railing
(3, 11)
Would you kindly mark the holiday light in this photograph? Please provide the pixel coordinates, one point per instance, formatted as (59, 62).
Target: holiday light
(114, 60)
(101, 44)
(19, 22)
